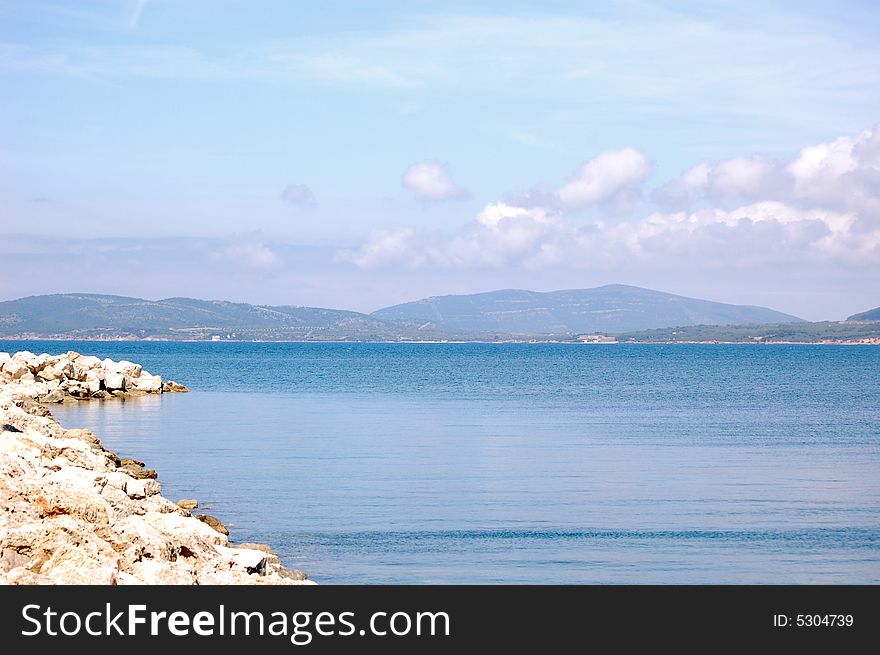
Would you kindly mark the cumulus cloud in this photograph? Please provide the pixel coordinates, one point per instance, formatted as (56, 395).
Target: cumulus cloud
(385, 248)
(610, 176)
(253, 255)
(431, 180)
(823, 205)
(297, 194)
(503, 235)
(684, 190)
(843, 174)
(746, 177)
(500, 234)
(247, 251)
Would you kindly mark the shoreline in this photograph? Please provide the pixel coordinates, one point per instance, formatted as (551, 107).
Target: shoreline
(848, 342)
(74, 512)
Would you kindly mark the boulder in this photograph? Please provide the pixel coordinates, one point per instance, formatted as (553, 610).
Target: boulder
(40, 362)
(152, 572)
(196, 535)
(213, 522)
(140, 473)
(244, 559)
(23, 576)
(83, 434)
(293, 574)
(148, 383)
(15, 369)
(142, 488)
(37, 390)
(11, 558)
(49, 373)
(32, 407)
(88, 507)
(84, 365)
(53, 396)
(173, 387)
(72, 564)
(77, 390)
(63, 367)
(188, 503)
(92, 382)
(114, 381)
(129, 369)
(88, 362)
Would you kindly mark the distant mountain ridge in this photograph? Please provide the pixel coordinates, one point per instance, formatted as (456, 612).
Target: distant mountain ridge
(496, 315)
(870, 315)
(613, 308)
(95, 315)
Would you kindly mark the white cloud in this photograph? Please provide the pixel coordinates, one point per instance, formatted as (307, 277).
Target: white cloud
(431, 180)
(683, 190)
(500, 234)
(843, 174)
(385, 248)
(745, 177)
(822, 206)
(494, 214)
(247, 251)
(297, 194)
(251, 255)
(608, 177)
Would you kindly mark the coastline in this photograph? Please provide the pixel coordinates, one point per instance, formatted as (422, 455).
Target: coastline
(573, 342)
(74, 512)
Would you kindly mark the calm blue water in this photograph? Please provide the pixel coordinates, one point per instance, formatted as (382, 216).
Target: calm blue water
(448, 463)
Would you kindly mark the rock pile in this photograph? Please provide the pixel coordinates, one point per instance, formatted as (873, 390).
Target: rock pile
(55, 378)
(72, 512)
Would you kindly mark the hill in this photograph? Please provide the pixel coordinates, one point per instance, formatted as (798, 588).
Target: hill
(93, 316)
(614, 308)
(870, 315)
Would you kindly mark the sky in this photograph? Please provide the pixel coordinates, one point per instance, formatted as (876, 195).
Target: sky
(355, 155)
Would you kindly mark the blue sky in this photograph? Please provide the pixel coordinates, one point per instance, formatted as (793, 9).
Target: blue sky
(352, 154)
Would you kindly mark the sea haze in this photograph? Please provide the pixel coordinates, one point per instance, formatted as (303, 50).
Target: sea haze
(518, 463)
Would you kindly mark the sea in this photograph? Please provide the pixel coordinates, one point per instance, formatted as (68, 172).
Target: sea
(434, 463)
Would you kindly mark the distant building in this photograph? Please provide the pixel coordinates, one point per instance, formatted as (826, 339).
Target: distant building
(215, 337)
(596, 338)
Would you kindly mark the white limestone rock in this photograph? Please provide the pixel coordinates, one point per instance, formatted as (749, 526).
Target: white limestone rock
(114, 381)
(148, 383)
(15, 368)
(70, 513)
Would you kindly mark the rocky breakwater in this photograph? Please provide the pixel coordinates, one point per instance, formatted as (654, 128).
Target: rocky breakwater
(56, 378)
(73, 512)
